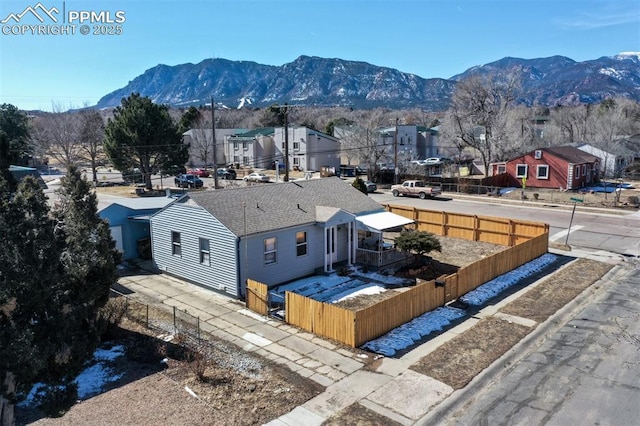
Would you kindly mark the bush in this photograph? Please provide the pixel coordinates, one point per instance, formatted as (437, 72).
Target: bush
(359, 185)
(634, 200)
(112, 313)
(55, 400)
(198, 363)
(418, 242)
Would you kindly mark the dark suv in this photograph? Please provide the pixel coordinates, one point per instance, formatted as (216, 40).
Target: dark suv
(188, 181)
(226, 173)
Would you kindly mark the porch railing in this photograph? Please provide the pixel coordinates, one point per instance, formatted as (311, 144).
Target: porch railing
(380, 259)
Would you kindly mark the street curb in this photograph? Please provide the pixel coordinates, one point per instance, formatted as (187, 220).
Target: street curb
(521, 349)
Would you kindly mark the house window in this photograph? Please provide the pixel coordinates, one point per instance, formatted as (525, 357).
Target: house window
(205, 258)
(296, 146)
(521, 170)
(584, 170)
(176, 246)
(538, 154)
(244, 146)
(236, 158)
(270, 251)
(577, 171)
(235, 145)
(301, 243)
(401, 140)
(502, 168)
(542, 171)
(245, 160)
(296, 161)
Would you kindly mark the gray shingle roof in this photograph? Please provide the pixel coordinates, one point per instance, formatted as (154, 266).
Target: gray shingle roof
(572, 154)
(266, 207)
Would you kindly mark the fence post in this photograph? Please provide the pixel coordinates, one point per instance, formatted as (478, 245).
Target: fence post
(175, 329)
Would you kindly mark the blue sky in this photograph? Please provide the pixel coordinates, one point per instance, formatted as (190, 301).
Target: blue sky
(428, 38)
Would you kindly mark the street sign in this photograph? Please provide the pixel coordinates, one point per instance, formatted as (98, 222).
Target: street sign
(576, 200)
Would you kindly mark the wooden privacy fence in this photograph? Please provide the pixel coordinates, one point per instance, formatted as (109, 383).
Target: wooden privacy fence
(488, 229)
(257, 297)
(528, 240)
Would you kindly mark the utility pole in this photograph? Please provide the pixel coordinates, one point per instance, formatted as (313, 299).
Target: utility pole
(286, 143)
(215, 153)
(395, 154)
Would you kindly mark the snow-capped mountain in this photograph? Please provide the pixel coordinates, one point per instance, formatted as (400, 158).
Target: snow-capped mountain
(337, 82)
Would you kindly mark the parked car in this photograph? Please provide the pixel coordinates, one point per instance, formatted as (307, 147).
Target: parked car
(200, 172)
(256, 177)
(188, 181)
(437, 160)
(371, 187)
(415, 188)
(226, 173)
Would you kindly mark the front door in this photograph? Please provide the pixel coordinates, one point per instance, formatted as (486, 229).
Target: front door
(332, 235)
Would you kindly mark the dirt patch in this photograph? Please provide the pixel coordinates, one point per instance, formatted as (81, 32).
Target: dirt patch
(458, 361)
(358, 415)
(545, 299)
(456, 253)
(238, 388)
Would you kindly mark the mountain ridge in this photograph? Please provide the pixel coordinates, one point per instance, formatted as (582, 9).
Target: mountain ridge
(317, 81)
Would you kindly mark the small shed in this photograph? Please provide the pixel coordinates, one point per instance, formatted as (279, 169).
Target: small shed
(129, 224)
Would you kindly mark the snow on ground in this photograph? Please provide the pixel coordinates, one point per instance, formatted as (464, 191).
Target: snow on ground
(416, 330)
(92, 379)
(334, 288)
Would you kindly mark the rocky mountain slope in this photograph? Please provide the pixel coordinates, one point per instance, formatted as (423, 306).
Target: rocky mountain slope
(337, 82)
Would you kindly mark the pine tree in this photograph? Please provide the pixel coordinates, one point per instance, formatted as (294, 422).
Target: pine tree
(28, 275)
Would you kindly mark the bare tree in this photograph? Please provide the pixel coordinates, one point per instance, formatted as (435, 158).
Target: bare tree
(480, 118)
(91, 139)
(57, 135)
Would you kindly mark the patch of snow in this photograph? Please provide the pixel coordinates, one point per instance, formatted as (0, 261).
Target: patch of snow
(611, 72)
(416, 330)
(91, 380)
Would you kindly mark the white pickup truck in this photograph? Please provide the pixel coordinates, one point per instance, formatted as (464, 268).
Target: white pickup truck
(415, 188)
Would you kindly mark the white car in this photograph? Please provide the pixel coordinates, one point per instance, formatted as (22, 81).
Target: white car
(256, 177)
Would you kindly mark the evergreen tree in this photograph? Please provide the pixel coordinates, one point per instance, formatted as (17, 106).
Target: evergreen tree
(28, 277)
(360, 185)
(417, 242)
(143, 135)
(14, 139)
(55, 276)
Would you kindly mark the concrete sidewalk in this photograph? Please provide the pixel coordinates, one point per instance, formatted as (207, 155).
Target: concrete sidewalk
(387, 386)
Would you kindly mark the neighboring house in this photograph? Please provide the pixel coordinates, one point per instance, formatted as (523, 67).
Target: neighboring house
(252, 148)
(201, 146)
(20, 172)
(564, 167)
(272, 233)
(309, 150)
(413, 143)
(129, 224)
(612, 165)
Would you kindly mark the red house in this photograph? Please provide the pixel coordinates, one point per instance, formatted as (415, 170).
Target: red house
(564, 167)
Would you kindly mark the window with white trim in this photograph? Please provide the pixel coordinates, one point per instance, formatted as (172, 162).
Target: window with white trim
(245, 146)
(584, 170)
(521, 170)
(245, 160)
(176, 245)
(296, 161)
(577, 171)
(235, 145)
(270, 254)
(236, 158)
(205, 255)
(296, 146)
(301, 243)
(502, 168)
(542, 171)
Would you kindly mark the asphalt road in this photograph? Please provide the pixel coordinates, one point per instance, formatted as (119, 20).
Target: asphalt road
(591, 228)
(586, 372)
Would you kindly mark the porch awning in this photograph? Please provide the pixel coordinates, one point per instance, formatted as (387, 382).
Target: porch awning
(381, 221)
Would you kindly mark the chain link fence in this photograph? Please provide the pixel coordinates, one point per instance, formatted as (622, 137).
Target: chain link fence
(169, 319)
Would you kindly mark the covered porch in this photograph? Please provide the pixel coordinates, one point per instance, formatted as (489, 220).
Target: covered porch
(376, 241)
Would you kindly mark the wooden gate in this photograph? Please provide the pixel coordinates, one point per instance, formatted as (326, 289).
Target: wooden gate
(257, 297)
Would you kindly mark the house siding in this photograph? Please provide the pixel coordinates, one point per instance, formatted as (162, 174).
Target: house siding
(132, 230)
(193, 223)
(561, 174)
(289, 266)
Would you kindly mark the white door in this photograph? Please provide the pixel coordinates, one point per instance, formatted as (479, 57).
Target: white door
(331, 243)
(116, 234)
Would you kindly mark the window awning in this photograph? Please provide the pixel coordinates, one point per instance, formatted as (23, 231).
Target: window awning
(381, 221)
